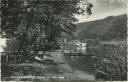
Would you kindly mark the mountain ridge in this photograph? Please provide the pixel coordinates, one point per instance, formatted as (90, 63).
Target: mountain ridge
(101, 27)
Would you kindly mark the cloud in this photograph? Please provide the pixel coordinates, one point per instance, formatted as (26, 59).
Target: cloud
(104, 8)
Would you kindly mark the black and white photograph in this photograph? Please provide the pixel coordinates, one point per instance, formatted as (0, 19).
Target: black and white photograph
(63, 40)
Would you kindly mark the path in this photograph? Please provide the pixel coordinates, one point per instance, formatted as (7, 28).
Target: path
(66, 68)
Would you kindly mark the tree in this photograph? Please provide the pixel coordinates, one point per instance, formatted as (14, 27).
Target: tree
(38, 24)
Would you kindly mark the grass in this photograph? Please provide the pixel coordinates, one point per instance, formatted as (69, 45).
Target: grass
(111, 64)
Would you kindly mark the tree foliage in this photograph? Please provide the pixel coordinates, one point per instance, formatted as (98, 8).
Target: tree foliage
(38, 24)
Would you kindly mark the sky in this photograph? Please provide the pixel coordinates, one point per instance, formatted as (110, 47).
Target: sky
(2, 44)
(104, 8)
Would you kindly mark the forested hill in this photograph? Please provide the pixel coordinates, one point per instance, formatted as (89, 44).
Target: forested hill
(112, 27)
